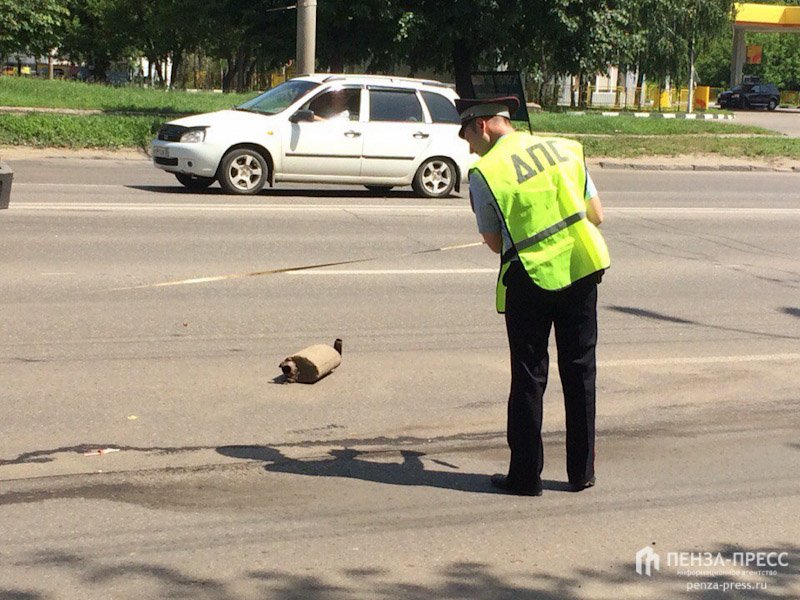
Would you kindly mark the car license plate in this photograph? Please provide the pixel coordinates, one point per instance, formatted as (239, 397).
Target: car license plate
(160, 152)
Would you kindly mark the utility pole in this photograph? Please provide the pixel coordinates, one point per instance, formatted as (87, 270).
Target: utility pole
(306, 35)
(690, 107)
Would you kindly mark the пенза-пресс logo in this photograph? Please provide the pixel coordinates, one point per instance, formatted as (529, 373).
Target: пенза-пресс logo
(645, 558)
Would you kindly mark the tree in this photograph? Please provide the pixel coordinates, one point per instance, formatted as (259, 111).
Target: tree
(671, 33)
(581, 37)
(780, 63)
(254, 33)
(467, 36)
(98, 33)
(357, 32)
(32, 27)
(161, 30)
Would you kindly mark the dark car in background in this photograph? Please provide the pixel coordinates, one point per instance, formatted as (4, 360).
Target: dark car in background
(750, 95)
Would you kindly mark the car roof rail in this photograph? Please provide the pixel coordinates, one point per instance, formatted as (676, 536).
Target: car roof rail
(389, 78)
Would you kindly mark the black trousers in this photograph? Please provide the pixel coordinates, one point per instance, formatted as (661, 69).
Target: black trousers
(530, 312)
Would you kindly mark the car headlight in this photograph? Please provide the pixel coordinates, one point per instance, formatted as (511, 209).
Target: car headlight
(194, 136)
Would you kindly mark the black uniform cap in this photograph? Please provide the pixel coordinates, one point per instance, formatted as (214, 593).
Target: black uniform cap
(472, 108)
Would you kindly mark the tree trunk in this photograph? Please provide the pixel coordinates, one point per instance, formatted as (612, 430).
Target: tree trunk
(463, 56)
(160, 72)
(240, 69)
(556, 92)
(177, 57)
(640, 84)
(248, 82)
(336, 61)
(572, 101)
(99, 68)
(228, 75)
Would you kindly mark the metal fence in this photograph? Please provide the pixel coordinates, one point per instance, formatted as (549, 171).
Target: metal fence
(648, 98)
(630, 98)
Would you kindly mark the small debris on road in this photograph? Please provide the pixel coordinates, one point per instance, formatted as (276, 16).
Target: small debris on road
(100, 451)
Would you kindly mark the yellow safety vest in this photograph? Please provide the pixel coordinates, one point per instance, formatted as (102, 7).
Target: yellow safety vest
(539, 185)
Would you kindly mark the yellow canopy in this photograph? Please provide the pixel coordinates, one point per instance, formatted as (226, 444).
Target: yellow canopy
(766, 17)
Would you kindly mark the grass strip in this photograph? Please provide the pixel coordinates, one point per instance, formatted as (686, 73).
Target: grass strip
(24, 91)
(628, 125)
(78, 131)
(676, 145)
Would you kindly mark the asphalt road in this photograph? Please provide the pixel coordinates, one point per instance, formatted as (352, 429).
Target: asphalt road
(373, 483)
(784, 120)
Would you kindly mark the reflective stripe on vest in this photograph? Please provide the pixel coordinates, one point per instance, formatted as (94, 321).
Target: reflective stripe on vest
(538, 185)
(548, 231)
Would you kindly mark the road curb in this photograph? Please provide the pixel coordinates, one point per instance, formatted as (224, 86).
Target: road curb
(655, 115)
(604, 164)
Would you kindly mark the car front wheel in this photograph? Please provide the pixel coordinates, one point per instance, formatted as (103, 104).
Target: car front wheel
(243, 171)
(193, 182)
(773, 104)
(435, 178)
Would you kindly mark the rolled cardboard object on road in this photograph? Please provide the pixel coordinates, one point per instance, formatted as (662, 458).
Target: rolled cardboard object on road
(311, 364)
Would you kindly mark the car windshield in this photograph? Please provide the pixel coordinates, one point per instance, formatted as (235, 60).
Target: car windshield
(278, 98)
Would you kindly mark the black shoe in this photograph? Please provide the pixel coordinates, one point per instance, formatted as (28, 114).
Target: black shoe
(500, 481)
(579, 487)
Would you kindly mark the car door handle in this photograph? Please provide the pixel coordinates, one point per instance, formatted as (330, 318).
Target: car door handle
(419, 135)
(352, 133)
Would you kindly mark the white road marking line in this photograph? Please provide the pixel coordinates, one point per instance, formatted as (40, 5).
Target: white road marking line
(234, 207)
(697, 360)
(106, 206)
(394, 272)
(67, 185)
(701, 210)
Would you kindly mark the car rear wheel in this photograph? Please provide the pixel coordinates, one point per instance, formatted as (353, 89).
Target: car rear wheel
(243, 171)
(193, 182)
(773, 104)
(435, 178)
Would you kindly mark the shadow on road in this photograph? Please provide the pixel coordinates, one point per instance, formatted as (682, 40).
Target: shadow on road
(277, 193)
(346, 463)
(456, 580)
(656, 316)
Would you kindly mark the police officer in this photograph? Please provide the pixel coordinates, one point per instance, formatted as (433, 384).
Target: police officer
(537, 207)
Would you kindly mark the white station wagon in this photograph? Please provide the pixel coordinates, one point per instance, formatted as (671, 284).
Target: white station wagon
(371, 130)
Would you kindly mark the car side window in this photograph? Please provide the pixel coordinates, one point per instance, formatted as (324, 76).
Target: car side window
(344, 104)
(442, 109)
(394, 105)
